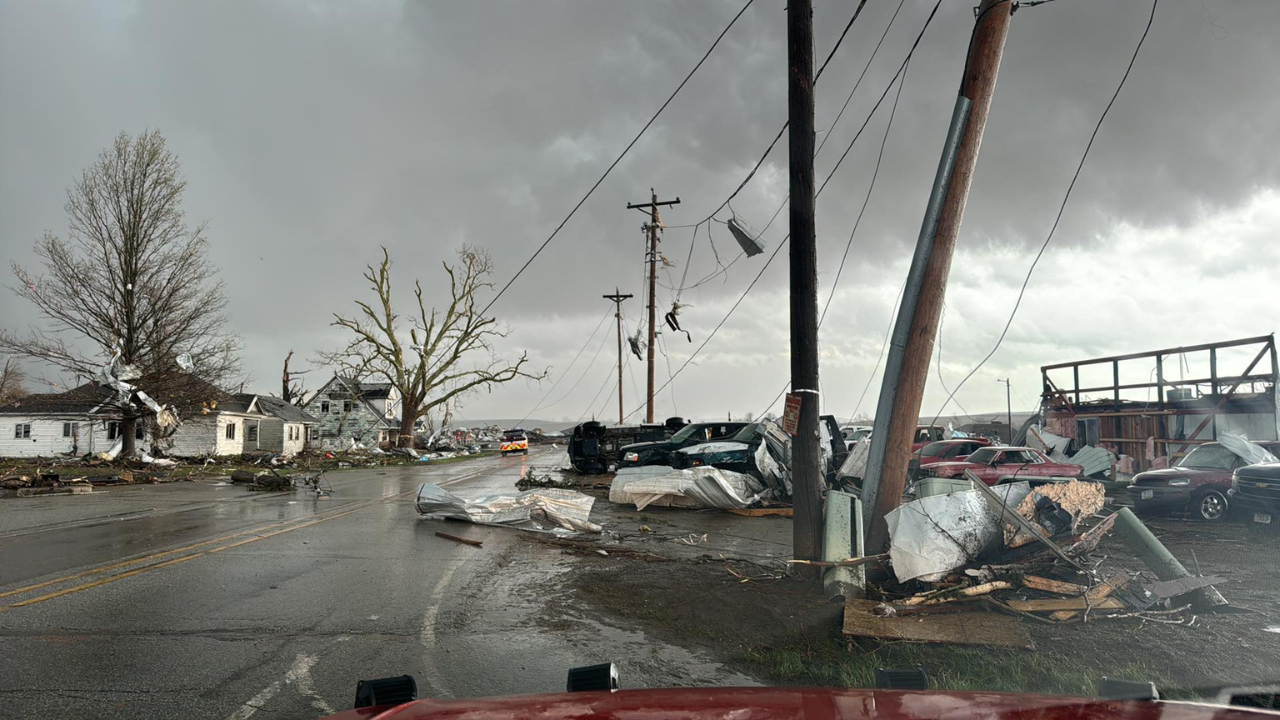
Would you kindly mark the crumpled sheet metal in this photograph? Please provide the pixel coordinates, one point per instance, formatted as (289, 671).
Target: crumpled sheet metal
(1247, 451)
(550, 510)
(1093, 459)
(855, 465)
(776, 477)
(700, 487)
(932, 535)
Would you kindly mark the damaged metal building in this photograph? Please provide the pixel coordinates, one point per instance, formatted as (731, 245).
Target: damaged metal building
(1156, 406)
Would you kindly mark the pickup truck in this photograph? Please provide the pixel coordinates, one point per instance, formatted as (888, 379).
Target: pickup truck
(659, 452)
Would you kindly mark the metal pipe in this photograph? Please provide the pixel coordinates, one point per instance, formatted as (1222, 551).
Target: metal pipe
(1158, 558)
(910, 295)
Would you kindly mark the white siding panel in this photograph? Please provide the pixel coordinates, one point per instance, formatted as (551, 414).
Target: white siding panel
(271, 434)
(195, 437)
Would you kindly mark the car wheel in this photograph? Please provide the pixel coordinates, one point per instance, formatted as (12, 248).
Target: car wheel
(1210, 506)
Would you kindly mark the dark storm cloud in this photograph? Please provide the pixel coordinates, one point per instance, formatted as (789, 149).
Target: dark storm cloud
(311, 133)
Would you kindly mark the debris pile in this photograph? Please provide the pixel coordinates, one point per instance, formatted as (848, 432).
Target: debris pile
(1024, 551)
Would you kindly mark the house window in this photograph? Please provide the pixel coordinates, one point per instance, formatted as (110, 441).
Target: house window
(251, 432)
(231, 431)
(22, 431)
(113, 430)
(66, 429)
(346, 406)
(324, 406)
(315, 433)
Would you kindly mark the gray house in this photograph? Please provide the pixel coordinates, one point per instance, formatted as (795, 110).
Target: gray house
(347, 410)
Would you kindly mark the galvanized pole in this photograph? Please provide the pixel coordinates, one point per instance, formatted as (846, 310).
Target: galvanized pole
(806, 455)
(897, 418)
(1008, 404)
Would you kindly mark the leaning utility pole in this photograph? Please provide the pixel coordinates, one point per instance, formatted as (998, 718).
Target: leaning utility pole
(652, 228)
(806, 453)
(617, 299)
(898, 410)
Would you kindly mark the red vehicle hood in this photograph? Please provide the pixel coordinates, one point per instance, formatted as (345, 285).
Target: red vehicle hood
(752, 703)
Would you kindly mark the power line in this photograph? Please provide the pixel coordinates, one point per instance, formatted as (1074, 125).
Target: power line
(893, 111)
(1061, 208)
(604, 340)
(568, 367)
(619, 158)
(914, 45)
(723, 268)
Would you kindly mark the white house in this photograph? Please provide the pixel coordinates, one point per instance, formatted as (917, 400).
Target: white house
(78, 422)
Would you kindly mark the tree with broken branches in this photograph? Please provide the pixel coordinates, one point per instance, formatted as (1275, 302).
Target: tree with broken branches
(131, 277)
(291, 390)
(12, 377)
(445, 354)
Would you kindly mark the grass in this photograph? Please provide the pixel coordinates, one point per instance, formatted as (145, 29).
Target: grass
(827, 662)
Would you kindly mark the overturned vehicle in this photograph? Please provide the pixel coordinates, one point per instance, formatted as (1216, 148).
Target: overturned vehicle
(594, 446)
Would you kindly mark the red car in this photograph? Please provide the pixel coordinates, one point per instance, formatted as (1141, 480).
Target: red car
(996, 464)
(1200, 483)
(926, 434)
(715, 703)
(943, 451)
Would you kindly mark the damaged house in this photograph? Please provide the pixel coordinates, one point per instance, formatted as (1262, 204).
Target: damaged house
(1154, 407)
(347, 410)
(85, 420)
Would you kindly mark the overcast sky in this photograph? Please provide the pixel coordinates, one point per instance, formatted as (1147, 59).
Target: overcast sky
(311, 133)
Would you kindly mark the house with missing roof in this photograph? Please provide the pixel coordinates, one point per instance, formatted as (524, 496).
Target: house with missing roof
(286, 430)
(348, 410)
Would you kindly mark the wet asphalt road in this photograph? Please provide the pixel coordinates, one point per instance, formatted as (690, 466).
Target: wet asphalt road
(202, 600)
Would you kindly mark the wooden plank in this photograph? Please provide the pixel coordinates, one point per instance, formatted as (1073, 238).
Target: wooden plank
(1075, 603)
(1035, 582)
(961, 628)
(464, 541)
(764, 512)
(1097, 593)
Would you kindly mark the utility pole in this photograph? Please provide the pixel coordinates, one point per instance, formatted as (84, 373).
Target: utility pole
(806, 453)
(617, 299)
(898, 410)
(652, 228)
(1008, 404)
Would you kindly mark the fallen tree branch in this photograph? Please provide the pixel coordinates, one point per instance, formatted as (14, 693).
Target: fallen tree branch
(851, 562)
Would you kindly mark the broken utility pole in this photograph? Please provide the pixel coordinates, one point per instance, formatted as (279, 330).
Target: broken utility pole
(902, 390)
(652, 228)
(806, 456)
(617, 299)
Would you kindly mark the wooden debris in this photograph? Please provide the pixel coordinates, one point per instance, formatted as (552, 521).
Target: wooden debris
(464, 541)
(964, 628)
(953, 594)
(764, 512)
(1035, 582)
(851, 562)
(1095, 594)
(1075, 603)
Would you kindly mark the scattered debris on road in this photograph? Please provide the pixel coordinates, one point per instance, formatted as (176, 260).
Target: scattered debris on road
(462, 540)
(551, 510)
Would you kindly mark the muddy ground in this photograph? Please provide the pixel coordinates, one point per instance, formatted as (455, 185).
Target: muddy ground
(728, 598)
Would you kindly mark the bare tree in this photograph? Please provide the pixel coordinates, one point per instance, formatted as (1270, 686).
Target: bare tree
(436, 363)
(131, 277)
(291, 390)
(12, 377)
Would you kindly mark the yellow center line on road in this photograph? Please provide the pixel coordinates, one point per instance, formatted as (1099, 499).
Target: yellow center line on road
(308, 521)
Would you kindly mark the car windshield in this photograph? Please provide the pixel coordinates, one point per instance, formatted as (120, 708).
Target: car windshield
(311, 372)
(1209, 457)
(688, 431)
(982, 456)
(747, 434)
(934, 448)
